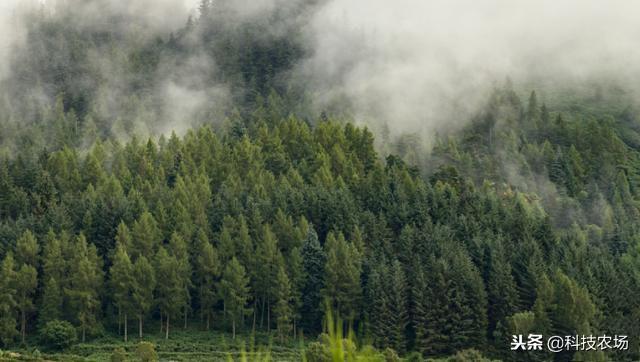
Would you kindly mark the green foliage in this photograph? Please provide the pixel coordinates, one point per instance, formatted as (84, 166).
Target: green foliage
(146, 352)
(118, 355)
(58, 334)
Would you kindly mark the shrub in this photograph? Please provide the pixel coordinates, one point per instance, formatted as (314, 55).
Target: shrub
(58, 334)
(391, 356)
(415, 357)
(317, 352)
(146, 351)
(118, 355)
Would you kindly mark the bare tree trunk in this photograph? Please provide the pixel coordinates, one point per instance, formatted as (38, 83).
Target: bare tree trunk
(262, 314)
(268, 316)
(126, 328)
(140, 326)
(119, 321)
(161, 321)
(255, 311)
(84, 334)
(166, 336)
(23, 328)
(208, 317)
(233, 324)
(186, 313)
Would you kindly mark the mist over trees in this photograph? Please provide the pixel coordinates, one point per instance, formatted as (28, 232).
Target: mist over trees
(262, 213)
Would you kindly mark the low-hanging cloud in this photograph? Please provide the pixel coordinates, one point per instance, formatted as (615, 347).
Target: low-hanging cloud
(412, 66)
(424, 66)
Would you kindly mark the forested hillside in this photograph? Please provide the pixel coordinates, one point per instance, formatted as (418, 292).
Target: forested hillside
(262, 214)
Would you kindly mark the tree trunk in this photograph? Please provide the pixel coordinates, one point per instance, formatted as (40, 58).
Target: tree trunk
(208, 317)
(119, 321)
(161, 321)
(186, 313)
(126, 328)
(140, 326)
(262, 314)
(166, 336)
(84, 334)
(23, 327)
(233, 324)
(268, 316)
(255, 311)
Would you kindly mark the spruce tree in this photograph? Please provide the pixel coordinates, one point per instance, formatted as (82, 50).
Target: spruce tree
(234, 288)
(313, 261)
(208, 271)
(26, 283)
(52, 302)
(8, 300)
(171, 286)
(283, 303)
(144, 284)
(398, 308)
(122, 284)
(85, 284)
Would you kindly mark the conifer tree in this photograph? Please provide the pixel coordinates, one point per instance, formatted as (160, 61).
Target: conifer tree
(144, 283)
(26, 283)
(208, 272)
(8, 300)
(313, 261)
(179, 251)
(342, 271)
(145, 236)
(85, 283)
(283, 303)
(234, 288)
(122, 284)
(398, 308)
(52, 302)
(171, 286)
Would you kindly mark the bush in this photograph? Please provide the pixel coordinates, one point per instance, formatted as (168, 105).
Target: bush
(118, 355)
(146, 351)
(58, 334)
(317, 352)
(391, 356)
(415, 357)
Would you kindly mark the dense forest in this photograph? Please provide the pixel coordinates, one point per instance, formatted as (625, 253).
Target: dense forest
(266, 215)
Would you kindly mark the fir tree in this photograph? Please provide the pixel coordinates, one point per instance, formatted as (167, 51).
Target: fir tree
(234, 288)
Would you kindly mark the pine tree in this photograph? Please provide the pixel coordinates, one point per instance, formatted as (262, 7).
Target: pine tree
(27, 250)
(179, 251)
(398, 308)
(26, 283)
(266, 272)
(85, 283)
(171, 286)
(234, 288)
(122, 284)
(342, 272)
(378, 306)
(52, 302)
(144, 283)
(502, 295)
(8, 300)
(145, 237)
(283, 303)
(208, 273)
(313, 261)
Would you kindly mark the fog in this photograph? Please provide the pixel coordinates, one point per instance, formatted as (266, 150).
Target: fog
(416, 66)
(427, 65)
